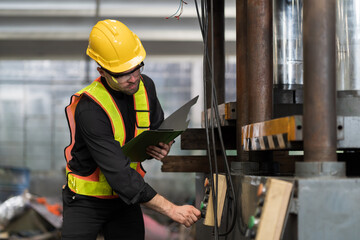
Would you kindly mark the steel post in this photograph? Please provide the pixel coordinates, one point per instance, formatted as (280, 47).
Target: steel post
(216, 48)
(259, 72)
(259, 60)
(319, 81)
(241, 90)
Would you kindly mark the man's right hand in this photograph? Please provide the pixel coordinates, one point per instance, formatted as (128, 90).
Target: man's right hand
(186, 214)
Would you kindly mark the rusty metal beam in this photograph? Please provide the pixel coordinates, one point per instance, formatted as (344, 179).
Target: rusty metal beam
(319, 81)
(259, 67)
(259, 60)
(241, 90)
(218, 51)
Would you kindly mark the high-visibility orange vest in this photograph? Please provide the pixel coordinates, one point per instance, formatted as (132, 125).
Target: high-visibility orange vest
(95, 184)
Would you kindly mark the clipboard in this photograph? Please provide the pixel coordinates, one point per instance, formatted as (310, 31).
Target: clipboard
(170, 128)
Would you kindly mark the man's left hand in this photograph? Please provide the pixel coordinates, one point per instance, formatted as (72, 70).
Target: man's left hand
(160, 151)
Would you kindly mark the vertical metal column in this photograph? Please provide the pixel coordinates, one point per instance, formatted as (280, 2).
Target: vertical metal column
(260, 72)
(319, 81)
(218, 51)
(259, 60)
(241, 86)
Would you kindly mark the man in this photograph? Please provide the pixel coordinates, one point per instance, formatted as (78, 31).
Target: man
(104, 189)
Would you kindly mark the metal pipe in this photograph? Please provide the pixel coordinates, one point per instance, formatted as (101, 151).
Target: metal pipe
(259, 60)
(288, 49)
(259, 70)
(241, 91)
(319, 81)
(348, 44)
(218, 51)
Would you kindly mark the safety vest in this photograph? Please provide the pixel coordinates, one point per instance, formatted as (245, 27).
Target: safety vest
(95, 184)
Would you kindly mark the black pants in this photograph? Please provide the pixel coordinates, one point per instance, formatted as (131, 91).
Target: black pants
(84, 218)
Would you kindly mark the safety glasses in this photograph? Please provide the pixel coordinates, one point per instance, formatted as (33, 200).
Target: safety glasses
(123, 77)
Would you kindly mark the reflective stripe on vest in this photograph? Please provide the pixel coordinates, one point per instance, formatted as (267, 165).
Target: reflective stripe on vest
(96, 184)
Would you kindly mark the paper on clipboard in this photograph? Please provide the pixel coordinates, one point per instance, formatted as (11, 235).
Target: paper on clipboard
(171, 127)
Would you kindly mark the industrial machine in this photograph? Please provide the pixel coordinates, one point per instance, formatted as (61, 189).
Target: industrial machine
(294, 124)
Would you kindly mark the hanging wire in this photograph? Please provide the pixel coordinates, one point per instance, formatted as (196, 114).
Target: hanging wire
(204, 31)
(204, 28)
(203, 23)
(179, 11)
(212, 124)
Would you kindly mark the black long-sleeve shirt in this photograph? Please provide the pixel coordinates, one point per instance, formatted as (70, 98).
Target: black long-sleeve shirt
(95, 144)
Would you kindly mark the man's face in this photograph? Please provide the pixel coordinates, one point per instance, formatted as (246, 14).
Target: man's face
(126, 82)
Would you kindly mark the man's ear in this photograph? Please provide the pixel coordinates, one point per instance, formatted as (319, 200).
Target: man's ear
(101, 71)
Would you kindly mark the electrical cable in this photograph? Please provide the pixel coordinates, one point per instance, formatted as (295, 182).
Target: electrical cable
(204, 32)
(214, 108)
(216, 188)
(217, 115)
(203, 28)
(211, 127)
(227, 171)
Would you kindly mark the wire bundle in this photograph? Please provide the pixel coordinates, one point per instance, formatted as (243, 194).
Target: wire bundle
(209, 122)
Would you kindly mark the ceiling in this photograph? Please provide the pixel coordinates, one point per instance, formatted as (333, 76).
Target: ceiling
(52, 28)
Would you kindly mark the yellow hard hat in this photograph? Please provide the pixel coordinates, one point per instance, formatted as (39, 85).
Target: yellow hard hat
(114, 46)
